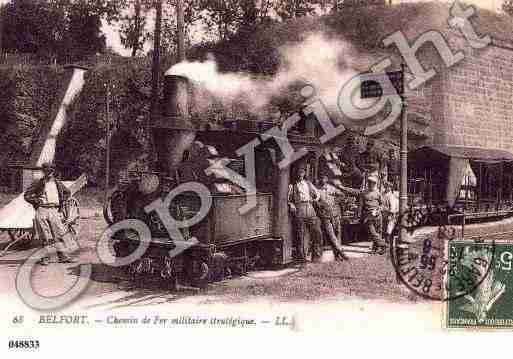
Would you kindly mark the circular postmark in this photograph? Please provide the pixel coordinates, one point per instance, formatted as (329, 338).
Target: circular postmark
(435, 262)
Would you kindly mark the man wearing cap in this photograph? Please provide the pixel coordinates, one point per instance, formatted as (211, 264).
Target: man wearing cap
(48, 196)
(370, 161)
(371, 204)
(328, 210)
(301, 196)
(391, 209)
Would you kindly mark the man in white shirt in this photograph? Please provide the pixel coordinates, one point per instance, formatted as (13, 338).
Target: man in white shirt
(47, 196)
(301, 196)
(391, 209)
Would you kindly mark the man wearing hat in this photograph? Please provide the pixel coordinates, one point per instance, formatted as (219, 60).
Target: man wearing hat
(370, 160)
(48, 196)
(301, 196)
(371, 204)
(328, 210)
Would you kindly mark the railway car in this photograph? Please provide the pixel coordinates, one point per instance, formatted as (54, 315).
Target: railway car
(458, 183)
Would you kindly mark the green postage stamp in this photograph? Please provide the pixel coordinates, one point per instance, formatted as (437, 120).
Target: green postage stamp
(490, 303)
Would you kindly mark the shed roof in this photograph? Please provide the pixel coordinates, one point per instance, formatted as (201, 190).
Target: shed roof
(445, 152)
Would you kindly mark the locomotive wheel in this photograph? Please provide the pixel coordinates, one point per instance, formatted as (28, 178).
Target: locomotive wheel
(198, 272)
(18, 236)
(419, 218)
(227, 273)
(114, 209)
(72, 220)
(168, 275)
(218, 266)
(415, 219)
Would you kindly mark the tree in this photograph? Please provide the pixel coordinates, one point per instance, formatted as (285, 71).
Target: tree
(84, 23)
(169, 26)
(2, 7)
(133, 32)
(289, 9)
(254, 11)
(226, 17)
(31, 27)
(220, 16)
(84, 37)
(63, 29)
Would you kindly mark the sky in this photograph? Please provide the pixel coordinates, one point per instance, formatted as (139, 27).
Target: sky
(113, 40)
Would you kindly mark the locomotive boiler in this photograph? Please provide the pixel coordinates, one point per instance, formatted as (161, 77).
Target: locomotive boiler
(228, 242)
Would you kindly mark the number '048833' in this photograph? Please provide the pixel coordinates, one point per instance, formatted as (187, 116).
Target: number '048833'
(23, 344)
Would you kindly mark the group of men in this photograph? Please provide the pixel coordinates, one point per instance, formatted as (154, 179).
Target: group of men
(318, 210)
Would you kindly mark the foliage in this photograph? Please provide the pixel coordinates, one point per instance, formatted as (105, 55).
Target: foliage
(82, 145)
(67, 30)
(133, 32)
(31, 26)
(28, 94)
(287, 9)
(227, 17)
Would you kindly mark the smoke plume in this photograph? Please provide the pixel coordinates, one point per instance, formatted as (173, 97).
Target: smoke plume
(323, 62)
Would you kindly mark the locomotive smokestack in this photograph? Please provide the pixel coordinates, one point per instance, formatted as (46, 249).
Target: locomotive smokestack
(174, 133)
(176, 99)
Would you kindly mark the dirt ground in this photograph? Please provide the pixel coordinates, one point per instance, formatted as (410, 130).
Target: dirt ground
(370, 277)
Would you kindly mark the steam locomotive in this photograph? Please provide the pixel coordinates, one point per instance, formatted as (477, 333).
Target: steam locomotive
(228, 242)
(448, 181)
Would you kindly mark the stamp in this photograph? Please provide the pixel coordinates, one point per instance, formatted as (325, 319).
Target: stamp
(489, 305)
(434, 264)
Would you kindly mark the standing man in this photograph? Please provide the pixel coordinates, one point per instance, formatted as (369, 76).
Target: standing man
(393, 167)
(370, 161)
(47, 196)
(391, 209)
(372, 204)
(301, 196)
(330, 215)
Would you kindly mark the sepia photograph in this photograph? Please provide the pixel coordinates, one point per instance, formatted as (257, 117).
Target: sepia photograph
(274, 167)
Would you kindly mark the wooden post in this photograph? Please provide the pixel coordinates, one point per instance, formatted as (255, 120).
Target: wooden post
(180, 31)
(155, 79)
(466, 191)
(1, 37)
(499, 202)
(281, 223)
(479, 192)
(430, 188)
(107, 141)
(403, 191)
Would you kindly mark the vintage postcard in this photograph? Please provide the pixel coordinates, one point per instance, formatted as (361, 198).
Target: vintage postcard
(286, 168)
